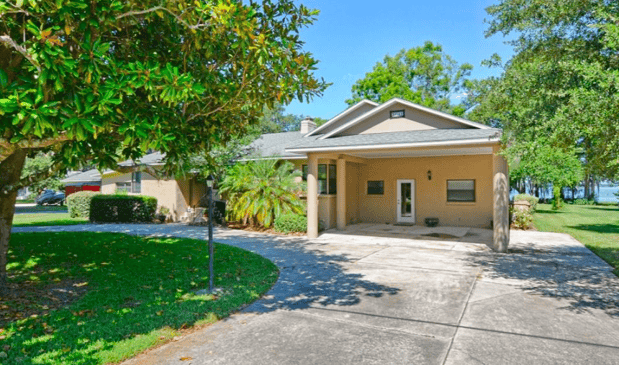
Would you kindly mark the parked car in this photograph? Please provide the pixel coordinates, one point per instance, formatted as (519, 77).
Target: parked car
(49, 197)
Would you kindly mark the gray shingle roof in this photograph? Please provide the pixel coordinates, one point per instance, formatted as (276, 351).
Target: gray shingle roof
(424, 136)
(81, 177)
(150, 159)
(275, 144)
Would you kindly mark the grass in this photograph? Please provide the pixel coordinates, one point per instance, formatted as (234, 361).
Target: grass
(25, 201)
(42, 208)
(45, 219)
(98, 298)
(597, 227)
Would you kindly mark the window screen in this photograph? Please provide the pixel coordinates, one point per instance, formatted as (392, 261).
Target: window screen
(136, 182)
(322, 179)
(376, 187)
(460, 190)
(327, 178)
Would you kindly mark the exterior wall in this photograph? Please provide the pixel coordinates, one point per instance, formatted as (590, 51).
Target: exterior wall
(413, 120)
(327, 211)
(70, 189)
(430, 195)
(327, 204)
(108, 182)
(169, 193)
(191, 190)
(360, 111)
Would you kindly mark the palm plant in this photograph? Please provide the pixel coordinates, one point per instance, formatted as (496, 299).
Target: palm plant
(260, 191)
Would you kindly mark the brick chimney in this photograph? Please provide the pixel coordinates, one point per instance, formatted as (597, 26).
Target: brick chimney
(307, 125)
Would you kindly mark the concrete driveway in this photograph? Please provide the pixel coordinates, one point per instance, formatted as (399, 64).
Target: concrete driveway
(362, 299)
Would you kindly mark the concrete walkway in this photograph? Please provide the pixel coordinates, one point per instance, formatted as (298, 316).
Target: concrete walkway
(356, 299)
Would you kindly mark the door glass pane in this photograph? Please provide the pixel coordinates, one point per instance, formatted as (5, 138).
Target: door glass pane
(406, 202)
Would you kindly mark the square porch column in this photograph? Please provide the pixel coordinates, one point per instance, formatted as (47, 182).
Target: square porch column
(500, 216)
(312, 196)
(341, 193)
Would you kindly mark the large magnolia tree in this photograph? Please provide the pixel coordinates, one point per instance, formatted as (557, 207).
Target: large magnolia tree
(101, 81)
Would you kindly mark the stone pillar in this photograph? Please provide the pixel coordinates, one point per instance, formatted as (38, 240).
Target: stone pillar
(312, 196)
(500, 183)
(341, 193)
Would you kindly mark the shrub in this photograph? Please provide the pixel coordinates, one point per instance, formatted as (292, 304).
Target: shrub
(291, 223)
(79, 203)
(530, 198)
(122, 208)
(521, 219)
(557, 203)
(583, 202)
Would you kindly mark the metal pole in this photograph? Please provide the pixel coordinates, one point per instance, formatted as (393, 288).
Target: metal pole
(210, 240)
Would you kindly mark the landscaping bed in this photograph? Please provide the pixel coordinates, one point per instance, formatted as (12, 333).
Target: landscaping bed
(97, 298)
(595, 226)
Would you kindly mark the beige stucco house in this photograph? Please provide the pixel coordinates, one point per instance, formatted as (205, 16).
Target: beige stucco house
(398, 163)
(176, 194)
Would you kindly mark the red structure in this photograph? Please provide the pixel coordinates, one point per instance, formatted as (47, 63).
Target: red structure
(68, 190)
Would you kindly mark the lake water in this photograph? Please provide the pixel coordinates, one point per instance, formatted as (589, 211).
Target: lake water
(604, 194)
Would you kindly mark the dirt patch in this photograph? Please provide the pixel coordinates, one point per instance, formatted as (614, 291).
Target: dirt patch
(29, 299)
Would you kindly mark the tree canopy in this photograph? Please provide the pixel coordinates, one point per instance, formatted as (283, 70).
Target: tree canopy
(108, 80)
(40, 165)
(425, 75)
(561, 85)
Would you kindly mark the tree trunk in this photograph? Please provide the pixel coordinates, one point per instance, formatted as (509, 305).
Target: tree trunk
(10, 173)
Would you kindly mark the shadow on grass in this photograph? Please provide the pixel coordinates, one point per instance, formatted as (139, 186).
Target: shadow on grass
(605, 208)
(599, 228)
(548, 211)
(140, 290)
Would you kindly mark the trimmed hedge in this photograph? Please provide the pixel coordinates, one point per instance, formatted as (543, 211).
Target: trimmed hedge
(290, 223)
(530, 198)
(122, 208)
(79, 203)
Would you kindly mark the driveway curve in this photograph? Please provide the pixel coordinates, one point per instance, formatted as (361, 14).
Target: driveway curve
(382, 300)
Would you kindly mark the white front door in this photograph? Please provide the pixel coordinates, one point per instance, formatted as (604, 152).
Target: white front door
(406, 201)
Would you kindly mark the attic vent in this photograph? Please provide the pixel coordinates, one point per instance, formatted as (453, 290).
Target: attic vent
(396, 114)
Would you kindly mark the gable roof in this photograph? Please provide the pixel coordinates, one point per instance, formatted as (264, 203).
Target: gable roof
(274, 145)
(393, 101)
(83, 177)
(154, 158)
(342, 115)
(431, 137)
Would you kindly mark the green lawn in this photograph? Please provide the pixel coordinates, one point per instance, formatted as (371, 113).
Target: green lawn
(597, 227)
(97, 298)
(41, 208)
(45, 219)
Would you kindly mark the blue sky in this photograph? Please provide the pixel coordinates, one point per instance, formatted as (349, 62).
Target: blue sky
(349, 37)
